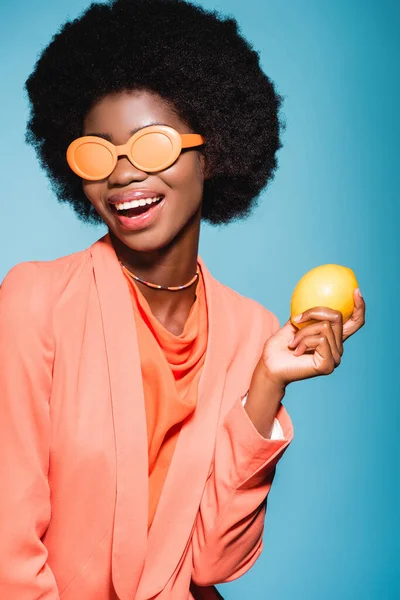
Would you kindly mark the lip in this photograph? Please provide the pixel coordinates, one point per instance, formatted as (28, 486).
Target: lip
(141, 221)
(130, 195)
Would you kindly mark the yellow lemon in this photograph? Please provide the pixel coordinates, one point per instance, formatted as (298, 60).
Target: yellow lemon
(326, 285)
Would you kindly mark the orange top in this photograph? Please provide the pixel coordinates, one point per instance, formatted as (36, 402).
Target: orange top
(171, 367)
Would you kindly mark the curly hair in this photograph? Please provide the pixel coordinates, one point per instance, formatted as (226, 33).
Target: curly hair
(195, 59)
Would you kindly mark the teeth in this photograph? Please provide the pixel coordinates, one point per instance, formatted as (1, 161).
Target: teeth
(137, 203)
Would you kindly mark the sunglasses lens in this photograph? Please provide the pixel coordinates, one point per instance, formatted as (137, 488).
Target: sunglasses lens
(154, 151)
(94, 160)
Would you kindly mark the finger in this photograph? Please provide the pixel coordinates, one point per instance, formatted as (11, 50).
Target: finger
(309, 342)
(317, 329)
(324, 362)
(323, 313)
(357, 319)
(285, 333)
(289, 329)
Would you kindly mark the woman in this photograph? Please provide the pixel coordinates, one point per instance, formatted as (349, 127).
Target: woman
(141, 399)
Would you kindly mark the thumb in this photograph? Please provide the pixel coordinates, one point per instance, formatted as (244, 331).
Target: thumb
(287, 331)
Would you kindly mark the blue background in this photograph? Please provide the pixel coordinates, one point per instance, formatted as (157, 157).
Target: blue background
(332, 529)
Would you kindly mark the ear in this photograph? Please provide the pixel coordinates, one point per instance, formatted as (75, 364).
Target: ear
(203, 166)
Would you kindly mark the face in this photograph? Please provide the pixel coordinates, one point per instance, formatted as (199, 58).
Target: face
(173, 196)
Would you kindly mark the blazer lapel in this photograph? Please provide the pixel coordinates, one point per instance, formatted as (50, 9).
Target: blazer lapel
(130, 523)
(190, 465)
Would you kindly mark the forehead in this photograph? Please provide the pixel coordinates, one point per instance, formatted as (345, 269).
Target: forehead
(118, 114)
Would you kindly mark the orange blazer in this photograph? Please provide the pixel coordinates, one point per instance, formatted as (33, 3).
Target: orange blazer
(73, 468)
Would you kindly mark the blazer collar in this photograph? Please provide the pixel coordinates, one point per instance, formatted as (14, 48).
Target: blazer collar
(143, 563)
(130, 521)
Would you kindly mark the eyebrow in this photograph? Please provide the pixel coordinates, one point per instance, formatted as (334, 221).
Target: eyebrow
(108, 137)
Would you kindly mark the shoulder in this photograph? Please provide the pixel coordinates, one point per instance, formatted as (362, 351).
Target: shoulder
(30, 287)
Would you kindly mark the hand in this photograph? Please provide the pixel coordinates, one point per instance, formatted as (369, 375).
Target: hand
(292, 355)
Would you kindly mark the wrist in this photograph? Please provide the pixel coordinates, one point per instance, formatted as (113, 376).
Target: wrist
(263, 400)
(272, 383)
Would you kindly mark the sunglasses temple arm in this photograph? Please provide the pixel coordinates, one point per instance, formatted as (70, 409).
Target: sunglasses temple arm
(191, 139)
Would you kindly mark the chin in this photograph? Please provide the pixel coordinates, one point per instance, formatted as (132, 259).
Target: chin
(159, 232)
(144, 241)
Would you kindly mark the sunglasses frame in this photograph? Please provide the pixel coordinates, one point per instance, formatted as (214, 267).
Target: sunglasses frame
(178, 142)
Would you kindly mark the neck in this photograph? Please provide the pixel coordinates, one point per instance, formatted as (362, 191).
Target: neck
(173, 265)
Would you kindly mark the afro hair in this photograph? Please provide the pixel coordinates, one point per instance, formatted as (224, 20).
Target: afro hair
(193, 58)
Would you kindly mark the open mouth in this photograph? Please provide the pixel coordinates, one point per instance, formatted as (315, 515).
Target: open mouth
(135, 207)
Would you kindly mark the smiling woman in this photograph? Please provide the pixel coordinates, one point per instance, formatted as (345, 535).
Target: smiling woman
(141, 400)
(177, 187)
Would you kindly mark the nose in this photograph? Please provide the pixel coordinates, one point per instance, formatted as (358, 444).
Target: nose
(125, 172)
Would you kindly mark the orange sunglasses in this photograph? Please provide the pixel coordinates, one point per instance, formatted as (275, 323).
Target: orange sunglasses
(150, 149)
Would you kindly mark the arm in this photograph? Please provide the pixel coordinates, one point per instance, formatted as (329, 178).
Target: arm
(264, 396)
(227, 539)
(263, 401)
(256, 432)
(25, 387)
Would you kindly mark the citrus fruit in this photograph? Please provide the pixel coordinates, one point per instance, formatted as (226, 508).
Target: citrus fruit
(326, 285)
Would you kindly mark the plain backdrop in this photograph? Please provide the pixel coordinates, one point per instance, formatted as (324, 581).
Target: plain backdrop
(332, 528)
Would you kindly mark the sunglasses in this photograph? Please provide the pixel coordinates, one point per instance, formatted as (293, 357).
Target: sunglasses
(150, 149)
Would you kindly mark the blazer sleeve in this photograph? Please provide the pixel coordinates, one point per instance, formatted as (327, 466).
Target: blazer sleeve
(26, 357)
(227, 538)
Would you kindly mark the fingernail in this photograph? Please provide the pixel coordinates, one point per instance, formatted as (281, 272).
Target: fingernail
(298, 318)
(359, 292)
(291, 341)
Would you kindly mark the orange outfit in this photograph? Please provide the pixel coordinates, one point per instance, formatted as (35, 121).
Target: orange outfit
(171, 367)
(73, 439)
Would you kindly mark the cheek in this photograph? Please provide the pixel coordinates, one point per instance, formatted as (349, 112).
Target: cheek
(93, 191)
(186, 175)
